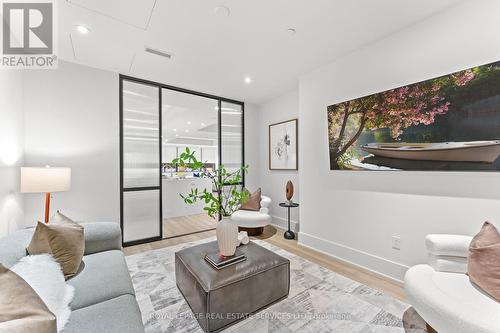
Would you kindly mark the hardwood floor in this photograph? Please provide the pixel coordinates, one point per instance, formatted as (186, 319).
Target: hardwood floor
(274, 236)
(182, 225)
(167, 242)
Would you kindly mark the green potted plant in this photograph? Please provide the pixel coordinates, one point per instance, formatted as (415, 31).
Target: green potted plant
(226, 200)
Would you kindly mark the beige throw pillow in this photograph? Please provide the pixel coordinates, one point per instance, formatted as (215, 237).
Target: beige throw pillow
(21, 309)
(253, 201)
(62, 238)
(484, 260)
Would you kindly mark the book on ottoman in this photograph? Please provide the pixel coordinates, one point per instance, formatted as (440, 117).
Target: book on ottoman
(219, 261)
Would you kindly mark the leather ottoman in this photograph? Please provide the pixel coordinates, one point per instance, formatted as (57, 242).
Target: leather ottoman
(220, 298)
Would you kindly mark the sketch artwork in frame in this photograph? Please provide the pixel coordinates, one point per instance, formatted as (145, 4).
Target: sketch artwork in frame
(283, 138)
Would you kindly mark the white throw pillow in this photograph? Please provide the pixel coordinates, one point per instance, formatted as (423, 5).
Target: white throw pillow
(45, 276)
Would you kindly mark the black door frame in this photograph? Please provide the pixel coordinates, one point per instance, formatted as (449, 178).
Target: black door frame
(161, 86)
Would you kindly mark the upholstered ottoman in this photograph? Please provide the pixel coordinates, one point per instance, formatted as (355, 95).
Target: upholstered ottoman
(220, 298)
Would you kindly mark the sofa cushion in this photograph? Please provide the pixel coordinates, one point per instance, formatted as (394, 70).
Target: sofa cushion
(448, 245)
(116, 315)
(253, 200)
(43, 273)
(102, 236)
(64, 239)
(13, 247)
(21, 309)
(104, 276)
(484, 260)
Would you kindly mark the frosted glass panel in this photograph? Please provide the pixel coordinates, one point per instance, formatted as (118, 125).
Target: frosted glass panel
(209, 154)
(190, 121)
(231, 131)
(141, 213)
(169, 153)
(141, 135)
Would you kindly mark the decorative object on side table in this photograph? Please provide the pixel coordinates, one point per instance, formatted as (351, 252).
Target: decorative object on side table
(289, 234)
(289, 191)
(45, 180)
(283, 152)
(220, 206)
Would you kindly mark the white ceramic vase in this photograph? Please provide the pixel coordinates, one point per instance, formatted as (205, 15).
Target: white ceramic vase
(227, 236)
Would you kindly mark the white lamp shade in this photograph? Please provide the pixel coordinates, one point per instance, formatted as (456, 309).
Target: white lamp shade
(45, 179)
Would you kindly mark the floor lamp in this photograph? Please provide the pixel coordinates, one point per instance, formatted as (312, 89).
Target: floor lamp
(45, 180)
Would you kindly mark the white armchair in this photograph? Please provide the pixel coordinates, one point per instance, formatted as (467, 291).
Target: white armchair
(253, 222)
(442, 293)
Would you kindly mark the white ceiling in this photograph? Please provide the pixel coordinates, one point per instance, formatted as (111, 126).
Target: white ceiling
(213, 53)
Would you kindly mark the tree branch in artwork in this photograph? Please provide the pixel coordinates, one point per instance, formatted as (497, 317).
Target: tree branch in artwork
(395, 109)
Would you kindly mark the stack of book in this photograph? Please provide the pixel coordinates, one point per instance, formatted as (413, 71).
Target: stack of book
(219, 261)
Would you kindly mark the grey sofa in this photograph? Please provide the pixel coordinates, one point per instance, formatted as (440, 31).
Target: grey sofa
(104, 298)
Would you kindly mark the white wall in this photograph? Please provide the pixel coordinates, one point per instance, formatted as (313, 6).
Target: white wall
(273, 182)
(353, 215)
(11, 150)
(252, 157)
(71, 119)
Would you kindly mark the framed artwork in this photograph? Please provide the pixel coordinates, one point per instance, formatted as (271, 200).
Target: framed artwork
(449, 123)
(283, 139)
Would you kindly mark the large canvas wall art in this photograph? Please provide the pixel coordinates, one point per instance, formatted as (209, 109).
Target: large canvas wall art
(283, 145)
(447, 123)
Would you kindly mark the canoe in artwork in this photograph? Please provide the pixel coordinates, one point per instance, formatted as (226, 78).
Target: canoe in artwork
(470, 151)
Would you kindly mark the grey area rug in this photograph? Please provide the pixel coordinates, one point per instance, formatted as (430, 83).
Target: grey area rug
(320, 300)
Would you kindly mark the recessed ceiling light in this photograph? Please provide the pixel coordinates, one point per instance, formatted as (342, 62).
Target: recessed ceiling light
(202, 124)
(222, 11)
(175, 130)
(177, 135)
(291, 31)
(82, 29)
(189, 123)
(248, 80)
(187, 131)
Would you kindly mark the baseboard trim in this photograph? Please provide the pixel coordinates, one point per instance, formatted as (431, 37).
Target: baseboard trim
(378, 265)
(283, 223)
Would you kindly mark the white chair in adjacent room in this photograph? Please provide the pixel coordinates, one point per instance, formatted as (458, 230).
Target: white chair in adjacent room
(253, 222)
(442, 293)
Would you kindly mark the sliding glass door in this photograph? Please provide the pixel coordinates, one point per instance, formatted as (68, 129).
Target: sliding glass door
(140, 160)
(188, 121)
(157, 123)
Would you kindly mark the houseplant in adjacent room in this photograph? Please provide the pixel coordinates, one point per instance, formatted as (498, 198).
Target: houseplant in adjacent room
(223, 203)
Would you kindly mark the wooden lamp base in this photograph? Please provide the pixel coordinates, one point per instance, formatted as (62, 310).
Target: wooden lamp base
(47, 207)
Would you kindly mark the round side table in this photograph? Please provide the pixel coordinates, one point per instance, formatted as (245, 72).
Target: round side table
(289, 234)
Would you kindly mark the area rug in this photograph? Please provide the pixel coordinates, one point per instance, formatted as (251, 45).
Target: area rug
(320, 300)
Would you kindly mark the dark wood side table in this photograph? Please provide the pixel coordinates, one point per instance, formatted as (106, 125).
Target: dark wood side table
(289, 234)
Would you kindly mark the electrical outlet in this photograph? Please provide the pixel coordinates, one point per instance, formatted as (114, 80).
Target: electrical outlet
(396, 242)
